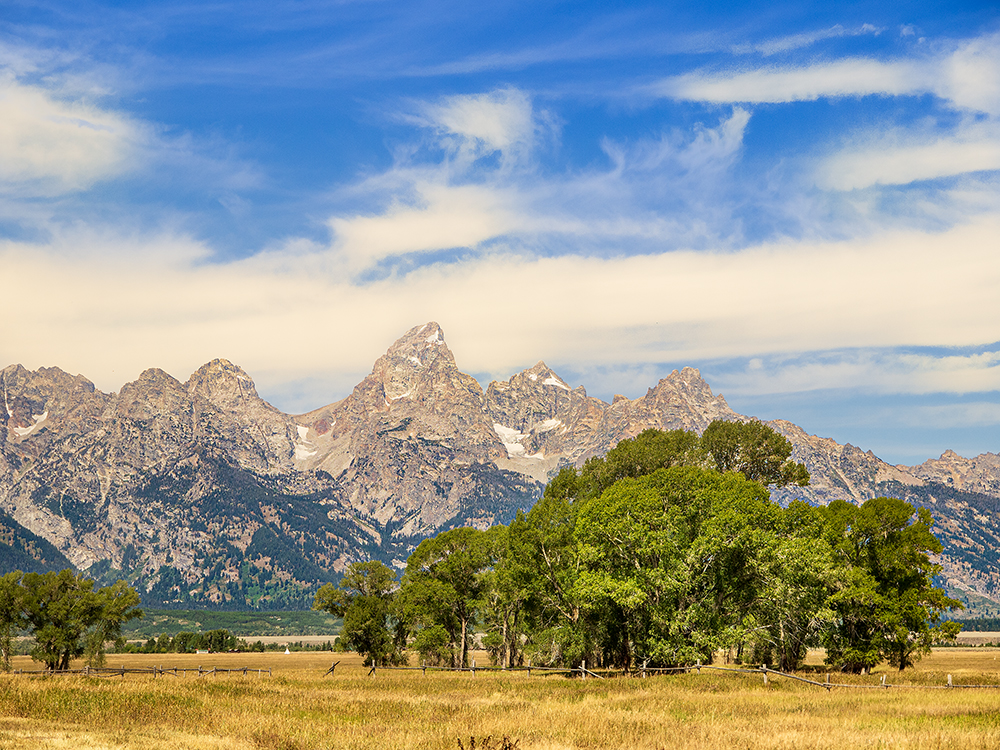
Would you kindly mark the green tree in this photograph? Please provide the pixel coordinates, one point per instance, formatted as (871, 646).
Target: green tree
(444, 585)
(60, 607)
(505, 590)
(364, 599)
(791, 609)
(565, 621)
(546, 561)
(753, 449)
(433, 643)
(119, 603)
(11, 615)
(66, 615)
(885, 603)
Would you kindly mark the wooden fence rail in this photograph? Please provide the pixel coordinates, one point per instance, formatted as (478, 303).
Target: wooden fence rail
(645, 671)
(154, 671)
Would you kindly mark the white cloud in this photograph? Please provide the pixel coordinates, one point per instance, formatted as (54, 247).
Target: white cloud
(971, 75)
(479, 125)
(441, 216)
(444, 206)
(710, 150)
(968, 75)
(49, 146)
(851, 77)
(497, 121)
(872, 370)
(109, 319)
(901, 158)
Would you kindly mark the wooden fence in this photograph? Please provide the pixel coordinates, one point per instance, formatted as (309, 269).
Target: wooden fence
(766, 673)
(154, 671)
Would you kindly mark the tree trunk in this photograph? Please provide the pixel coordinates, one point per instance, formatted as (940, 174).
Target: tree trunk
(464, 650)
(504, 645)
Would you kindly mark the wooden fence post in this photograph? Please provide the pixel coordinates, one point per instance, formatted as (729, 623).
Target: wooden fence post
(949, 681)
(697, 665)
(763, 668)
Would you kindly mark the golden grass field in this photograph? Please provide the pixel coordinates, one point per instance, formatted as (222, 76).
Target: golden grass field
(296, 707)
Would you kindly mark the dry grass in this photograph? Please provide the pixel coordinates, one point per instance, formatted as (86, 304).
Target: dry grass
(297, 708)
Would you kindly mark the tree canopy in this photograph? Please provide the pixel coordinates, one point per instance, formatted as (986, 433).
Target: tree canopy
(668, 551)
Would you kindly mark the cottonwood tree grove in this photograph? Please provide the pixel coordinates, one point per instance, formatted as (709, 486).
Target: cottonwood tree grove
(666, 551)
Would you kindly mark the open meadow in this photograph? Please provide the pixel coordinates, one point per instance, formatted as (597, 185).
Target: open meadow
(297, 707)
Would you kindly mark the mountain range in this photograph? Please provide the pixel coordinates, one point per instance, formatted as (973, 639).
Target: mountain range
(203, 494)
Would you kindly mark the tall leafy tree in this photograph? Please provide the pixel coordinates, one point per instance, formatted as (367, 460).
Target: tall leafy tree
(364, 599)
(885, 603)
(791, 609)
(60, 608)
(444, 585)
(119, 603)
(11, 615)
(66, 615)
(637, 457)
(559, 627)
(507, 587)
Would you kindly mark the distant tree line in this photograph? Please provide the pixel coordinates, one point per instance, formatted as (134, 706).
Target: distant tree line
(665, 552)
(981, 625)
(65, 616)
(216, 641)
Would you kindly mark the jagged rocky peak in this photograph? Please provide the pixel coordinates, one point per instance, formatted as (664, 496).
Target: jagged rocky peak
(224, 385)
(688, 384)
(680, 400)
(153, 395)
(539, 376)
(531, 396)
(47, 400)
(978, 474)
(421, 367)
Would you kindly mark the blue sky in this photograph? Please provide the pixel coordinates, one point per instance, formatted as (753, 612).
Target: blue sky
(802, 200)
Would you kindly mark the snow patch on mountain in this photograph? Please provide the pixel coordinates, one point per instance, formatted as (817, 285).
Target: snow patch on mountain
(25, 431)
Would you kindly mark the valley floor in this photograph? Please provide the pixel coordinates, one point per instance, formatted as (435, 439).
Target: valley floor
(297, 708)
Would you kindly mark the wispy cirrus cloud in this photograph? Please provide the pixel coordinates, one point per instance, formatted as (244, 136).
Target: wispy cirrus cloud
(51, 146)
(894, 369)
(473, 126)
(777, 45)
(482, 186)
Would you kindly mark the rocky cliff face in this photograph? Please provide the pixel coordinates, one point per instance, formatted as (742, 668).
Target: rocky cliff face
(201, 492)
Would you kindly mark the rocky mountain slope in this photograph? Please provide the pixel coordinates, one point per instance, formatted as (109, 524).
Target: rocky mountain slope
(202, 493)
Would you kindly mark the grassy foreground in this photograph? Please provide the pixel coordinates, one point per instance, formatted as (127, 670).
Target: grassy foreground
(298, 708)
